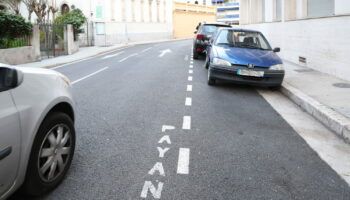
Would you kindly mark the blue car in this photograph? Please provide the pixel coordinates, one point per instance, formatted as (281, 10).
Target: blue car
(244, 57)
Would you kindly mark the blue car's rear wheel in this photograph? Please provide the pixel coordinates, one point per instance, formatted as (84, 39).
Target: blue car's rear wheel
(211, 80)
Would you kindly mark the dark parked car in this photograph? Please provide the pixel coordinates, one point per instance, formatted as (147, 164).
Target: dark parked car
(204, 32)
(243, 56)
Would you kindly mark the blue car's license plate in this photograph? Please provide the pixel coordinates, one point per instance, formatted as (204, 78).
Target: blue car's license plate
(243, 72)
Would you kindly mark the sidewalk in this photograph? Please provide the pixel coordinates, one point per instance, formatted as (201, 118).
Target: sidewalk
(325, 97)
(85, 53)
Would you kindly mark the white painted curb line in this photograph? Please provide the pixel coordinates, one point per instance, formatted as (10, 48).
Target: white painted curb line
(327, 116)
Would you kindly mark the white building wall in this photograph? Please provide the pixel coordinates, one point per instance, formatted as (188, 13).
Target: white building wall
(342, 7)
(123, 20)
(323, 41)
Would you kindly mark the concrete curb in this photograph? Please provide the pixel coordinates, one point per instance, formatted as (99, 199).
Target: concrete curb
(111, 50)
(327, 116)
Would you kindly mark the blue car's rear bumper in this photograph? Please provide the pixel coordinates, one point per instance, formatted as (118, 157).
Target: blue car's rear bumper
(270, 79)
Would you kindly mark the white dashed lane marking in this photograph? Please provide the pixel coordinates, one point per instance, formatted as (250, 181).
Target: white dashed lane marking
(184, 161)
(190, 71)
(186, 124)
(189, 88)
(191, 66)
(85, 77)
(122, 60)
(146, 49)
(190, 78)
(188, 101)
(113, 55)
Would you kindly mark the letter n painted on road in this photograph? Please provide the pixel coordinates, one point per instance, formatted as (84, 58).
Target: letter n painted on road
(156, 192)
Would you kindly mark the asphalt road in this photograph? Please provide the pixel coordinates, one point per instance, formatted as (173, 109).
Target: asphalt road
(227, 142)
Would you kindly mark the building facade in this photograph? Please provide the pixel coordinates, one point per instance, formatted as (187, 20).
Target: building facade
(312, 33)
(186, 18)
(227, 11)
(199, 2)
(116, 21)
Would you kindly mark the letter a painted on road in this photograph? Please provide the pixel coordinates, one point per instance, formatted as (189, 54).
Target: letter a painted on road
(165, 138)
(156, 192)
(157, 167)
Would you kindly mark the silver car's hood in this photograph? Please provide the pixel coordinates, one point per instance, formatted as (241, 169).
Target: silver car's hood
(36, 70)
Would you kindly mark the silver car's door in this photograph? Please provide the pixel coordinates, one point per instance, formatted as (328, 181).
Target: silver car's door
(9, 141)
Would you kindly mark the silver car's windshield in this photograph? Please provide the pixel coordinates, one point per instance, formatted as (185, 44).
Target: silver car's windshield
(242, 39)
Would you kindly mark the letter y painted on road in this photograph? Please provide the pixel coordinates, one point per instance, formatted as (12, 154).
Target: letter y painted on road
(162, 151)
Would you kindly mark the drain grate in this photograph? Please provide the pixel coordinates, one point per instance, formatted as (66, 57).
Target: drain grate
(342, 85)
(303, 70)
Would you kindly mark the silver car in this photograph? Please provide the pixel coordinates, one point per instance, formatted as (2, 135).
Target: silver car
(37, 135)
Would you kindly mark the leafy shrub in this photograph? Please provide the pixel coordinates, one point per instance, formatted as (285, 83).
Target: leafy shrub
(74, 17)
(13, 26)
(14, 30)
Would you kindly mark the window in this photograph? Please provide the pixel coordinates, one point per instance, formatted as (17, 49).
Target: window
(210, 29)
(3, 8)
(64, 9)
(263, 10)
(100, 28)
(278, 10)
(242, 39)
(319, 8)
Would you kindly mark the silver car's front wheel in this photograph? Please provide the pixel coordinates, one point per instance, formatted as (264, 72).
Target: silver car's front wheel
(51, 154)
(54, 152)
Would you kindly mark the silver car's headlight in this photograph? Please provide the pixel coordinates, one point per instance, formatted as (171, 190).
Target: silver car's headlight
(65, 79)
(218, 61)
(278, 67)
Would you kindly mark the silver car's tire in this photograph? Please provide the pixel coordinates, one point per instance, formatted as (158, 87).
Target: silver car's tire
(51, 154)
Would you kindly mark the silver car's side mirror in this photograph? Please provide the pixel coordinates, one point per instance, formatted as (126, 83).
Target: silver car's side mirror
(10, 78)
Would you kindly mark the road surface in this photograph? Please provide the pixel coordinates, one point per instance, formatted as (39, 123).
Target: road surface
(149, 127)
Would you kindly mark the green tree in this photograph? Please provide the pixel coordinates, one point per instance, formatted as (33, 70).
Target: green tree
(74, 17)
